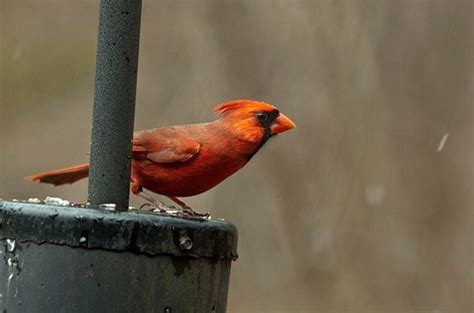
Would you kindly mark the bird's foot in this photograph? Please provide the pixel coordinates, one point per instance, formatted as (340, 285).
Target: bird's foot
(155, 207)
(147, 207)
(190, 212)
(186, 212)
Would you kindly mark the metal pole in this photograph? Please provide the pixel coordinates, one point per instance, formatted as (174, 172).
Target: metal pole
(114, 102)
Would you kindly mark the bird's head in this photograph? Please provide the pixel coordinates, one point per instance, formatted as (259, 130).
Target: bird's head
(254, 121)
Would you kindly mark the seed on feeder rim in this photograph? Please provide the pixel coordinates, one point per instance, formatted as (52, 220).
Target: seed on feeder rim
(82, 239)
(34, 200)
(56, 201)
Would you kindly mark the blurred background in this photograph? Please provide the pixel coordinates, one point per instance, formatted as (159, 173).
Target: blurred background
(366, 207)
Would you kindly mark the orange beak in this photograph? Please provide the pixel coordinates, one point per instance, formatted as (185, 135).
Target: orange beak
(282, 124)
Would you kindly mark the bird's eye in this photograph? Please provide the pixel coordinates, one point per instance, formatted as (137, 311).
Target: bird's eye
(262, 117)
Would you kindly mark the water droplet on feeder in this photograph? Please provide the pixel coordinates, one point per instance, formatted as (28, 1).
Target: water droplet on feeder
(79, 217)
(11, 245)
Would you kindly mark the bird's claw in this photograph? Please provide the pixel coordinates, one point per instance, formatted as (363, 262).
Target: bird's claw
(150, 207)
(147, 207)
(185, 211)
(189, 211)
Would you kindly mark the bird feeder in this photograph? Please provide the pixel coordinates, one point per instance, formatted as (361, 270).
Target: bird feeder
(73, 259)
(57, 257)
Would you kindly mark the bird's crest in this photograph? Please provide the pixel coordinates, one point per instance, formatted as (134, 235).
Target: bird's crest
(231, 106)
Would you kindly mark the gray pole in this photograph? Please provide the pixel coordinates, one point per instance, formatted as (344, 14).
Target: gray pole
(114, 102)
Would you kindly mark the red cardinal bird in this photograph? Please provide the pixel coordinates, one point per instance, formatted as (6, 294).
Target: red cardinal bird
(186, 160)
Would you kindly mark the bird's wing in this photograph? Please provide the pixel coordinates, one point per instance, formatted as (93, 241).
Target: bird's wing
(164, 145)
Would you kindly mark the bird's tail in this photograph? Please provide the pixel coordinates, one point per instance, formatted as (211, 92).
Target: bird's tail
(62, 176)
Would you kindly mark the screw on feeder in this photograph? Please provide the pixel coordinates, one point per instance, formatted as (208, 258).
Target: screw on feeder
(185, 243)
